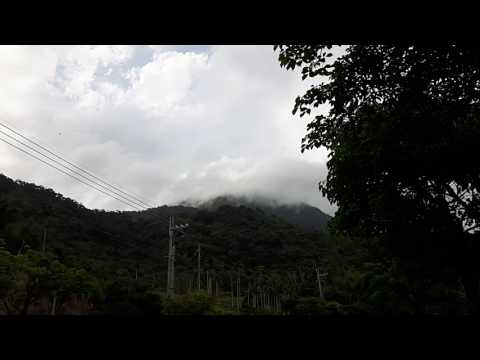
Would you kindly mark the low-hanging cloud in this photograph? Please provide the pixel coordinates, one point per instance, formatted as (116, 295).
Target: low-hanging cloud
(166, 123)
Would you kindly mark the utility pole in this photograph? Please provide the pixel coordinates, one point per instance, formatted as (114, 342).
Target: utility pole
(170, 256)
(172, 228)
(172, 273)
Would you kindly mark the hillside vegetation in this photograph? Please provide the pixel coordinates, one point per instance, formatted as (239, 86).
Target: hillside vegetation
(60, 257)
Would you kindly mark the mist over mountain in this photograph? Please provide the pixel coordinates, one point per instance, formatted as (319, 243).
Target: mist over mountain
(304, 215)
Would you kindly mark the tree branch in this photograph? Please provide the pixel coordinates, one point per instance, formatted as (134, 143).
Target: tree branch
(472, 227)
(453, 194)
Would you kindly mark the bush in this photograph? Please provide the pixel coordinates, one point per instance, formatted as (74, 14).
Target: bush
(355, 309)
(250, 310)
(198, 303)
(315, 306)
(121, 299)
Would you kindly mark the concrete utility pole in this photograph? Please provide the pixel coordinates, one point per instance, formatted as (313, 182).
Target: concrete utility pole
(172, 228)
(171, 234)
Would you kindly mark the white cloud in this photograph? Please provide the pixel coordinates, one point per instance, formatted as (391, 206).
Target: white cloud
(177, 124)
(161, 85)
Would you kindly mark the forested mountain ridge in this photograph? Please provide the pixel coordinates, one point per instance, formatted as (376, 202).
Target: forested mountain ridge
(306, 216)
(251, 261)
(106, 243)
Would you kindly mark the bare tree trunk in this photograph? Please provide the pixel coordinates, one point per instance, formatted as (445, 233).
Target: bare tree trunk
(44, 243)
(198, 270)
(208, 289)
(54, 304)
(231, 289)
(21, 247)
(238, 294)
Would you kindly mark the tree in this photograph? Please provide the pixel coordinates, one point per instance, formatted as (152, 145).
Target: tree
(26, 278)
(402, 133)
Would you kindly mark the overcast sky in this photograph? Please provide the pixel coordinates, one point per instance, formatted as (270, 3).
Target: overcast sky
(168, 123)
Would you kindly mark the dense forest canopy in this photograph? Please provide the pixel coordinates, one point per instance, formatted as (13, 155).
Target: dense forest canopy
(236, 240)
(59, 257)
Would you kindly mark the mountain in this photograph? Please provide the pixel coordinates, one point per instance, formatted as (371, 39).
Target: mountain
(308, 217)
(134, 243)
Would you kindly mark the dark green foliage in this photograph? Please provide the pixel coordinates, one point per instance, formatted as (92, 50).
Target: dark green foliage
(127, 298)
(105, 242)
(313, 306)
(27, 278)
(116, 263)
(198, 303)
(126, 251)
(402, 132)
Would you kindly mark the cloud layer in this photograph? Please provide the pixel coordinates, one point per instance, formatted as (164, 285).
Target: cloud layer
(167, 123)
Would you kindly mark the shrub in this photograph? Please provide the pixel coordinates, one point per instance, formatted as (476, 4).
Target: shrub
(198, 303)
(315, 306)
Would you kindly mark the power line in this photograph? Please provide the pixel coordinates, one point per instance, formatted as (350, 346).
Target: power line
(83, 170)
(75, 172)
(53, 166)
(138, 200)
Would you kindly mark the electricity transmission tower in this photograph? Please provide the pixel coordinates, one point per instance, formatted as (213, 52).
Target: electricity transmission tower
(172, 230)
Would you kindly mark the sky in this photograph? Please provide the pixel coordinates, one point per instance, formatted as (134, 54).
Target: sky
(169, 123)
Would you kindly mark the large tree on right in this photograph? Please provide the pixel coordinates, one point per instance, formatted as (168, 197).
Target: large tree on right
(403, 134)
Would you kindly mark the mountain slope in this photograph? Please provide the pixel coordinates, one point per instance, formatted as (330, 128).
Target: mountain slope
(133, 243)
(306, 216)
